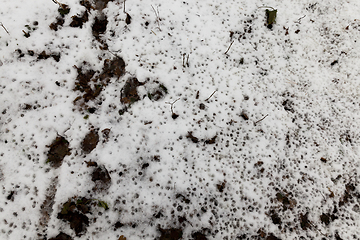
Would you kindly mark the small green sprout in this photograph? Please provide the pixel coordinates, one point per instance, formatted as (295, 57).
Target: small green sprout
(103, 205)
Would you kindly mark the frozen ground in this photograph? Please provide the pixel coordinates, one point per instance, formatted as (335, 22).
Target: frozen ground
(179, 120)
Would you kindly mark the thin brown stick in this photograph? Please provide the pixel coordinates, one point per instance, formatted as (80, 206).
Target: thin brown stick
(229, 47)
(210, 96)
(124, 6)
(26, 34)
(261, 119)
(2, 25)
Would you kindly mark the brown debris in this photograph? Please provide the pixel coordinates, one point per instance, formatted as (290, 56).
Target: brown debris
(304, 221)
(62, 236)
(90, 141)
(99, 26)
(192, 138)
(211, 140)
(170, 234)
(58, 150)
(78, 21)
(58, 23)
(74, 213)
(92, 84)
(101, 177)
(129, 92)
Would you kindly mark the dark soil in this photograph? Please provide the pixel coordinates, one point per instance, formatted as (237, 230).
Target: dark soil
(61, 236)
(44, 55)
(78, 21)
(90, 141)
(74, 213)
(58, 150)
(129, 93)
(99, 26)
(192, 138)
(101, 177)
(170, 234)
(91, 84)
(200, 235)
(304, 221)
(58, 23)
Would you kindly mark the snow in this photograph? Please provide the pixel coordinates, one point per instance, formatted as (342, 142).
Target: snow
(267, 126)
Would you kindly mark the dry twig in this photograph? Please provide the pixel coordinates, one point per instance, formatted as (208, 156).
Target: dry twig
(261, 119)
(210, 96)
(229, 47)
(2, 25)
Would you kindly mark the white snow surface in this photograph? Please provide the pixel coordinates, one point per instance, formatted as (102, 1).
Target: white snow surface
(265, 145)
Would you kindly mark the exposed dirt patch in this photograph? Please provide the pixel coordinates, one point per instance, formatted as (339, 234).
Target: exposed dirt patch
(90, 141)
(275, 217)
(113, 68)
(99, 26)
(74, 211)
(91, 83)
(101, 177)
(210, 140)
(170, 233)
(304, 221)
(287, 203)
(192, 137)
(39, 56)
(101, 4)
(349, 194)
(78, 21)
(44, 55)
(62, 236)
(57, 24)
(58, 150)
(201, 235)
(129, 93)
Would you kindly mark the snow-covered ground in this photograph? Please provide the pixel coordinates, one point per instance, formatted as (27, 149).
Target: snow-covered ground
(179, 119)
